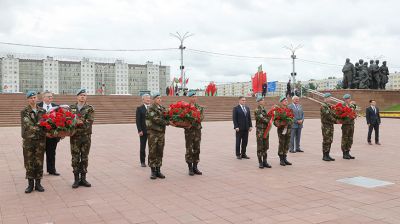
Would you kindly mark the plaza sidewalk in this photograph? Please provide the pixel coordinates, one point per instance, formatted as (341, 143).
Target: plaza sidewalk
(229, 191)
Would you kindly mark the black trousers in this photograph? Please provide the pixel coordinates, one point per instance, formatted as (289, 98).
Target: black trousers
(241, 138)
(143, 141)
(370, 128)
(51, 145)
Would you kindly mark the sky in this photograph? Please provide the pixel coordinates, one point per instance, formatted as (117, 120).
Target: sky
(328, 31)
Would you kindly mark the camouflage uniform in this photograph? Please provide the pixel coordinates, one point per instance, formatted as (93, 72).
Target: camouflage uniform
(156, 124)
(193, 139)
(348, 131)
(33, 142)
(327, 122)
(284, 137)
(262, 120)
(81, 140)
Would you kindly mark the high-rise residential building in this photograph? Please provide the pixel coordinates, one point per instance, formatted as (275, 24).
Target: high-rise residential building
(67, 77)
(88, 76)
(51, 76)
(31, 75)
(10, 74)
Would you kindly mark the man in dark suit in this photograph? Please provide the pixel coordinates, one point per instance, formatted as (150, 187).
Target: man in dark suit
(141, 127)
(51, 143)
(373, 121)
(242, 124)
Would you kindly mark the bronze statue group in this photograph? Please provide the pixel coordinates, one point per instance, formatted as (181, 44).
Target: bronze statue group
(34, 136)
(362, 76)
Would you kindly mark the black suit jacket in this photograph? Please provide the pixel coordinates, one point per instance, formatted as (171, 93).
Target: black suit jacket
(141, 119)
(240, 120)
(372, 117)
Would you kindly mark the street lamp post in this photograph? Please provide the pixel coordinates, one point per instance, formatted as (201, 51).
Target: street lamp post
(181, 38)
(293, 56)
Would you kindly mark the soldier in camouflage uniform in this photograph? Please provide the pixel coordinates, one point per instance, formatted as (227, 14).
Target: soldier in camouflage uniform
(81, 140)
(193, 139)
(262, 120)
(347, 129)
(156, 124)
(33, 142)
(327, 121)
(283, 135)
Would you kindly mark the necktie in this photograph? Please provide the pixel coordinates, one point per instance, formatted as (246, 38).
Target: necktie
(374, 109)
(244, 110)
(48, 107)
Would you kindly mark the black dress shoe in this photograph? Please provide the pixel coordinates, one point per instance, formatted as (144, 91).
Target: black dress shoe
(245, 156)
(377, 143)
(54, 173)
(369, 143)
(299, 150)
(239, 157)
(143, 164)
(292, 151)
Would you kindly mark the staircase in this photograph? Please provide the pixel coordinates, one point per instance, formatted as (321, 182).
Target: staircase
(122, 109)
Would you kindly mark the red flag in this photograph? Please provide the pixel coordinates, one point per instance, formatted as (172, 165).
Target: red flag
(187, 80)
(180, 80)
(254, 81)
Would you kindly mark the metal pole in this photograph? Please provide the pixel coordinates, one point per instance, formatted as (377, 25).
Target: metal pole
(293, 56)
(181, 38)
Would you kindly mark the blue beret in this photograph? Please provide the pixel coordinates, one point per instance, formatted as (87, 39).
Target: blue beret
(259, 98)
(347, 96)
(29, 94)
(191, 93)
(155, 95)
(282, 98)
(81, 91)
(326, 95)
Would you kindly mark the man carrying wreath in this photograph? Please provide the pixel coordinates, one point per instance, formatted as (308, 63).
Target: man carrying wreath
(156, 123)
(193, 138)
(348, 129)
(283, 128)
(81, 140)
(33, 142)
(262, 123)
(327, 121)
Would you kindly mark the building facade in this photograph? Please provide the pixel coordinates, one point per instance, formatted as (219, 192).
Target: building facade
(67, 77)
(394, 81)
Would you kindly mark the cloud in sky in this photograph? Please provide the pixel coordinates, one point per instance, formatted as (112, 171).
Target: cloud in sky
(329, 30)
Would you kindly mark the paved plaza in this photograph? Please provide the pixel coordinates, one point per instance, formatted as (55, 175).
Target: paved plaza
(229, 191)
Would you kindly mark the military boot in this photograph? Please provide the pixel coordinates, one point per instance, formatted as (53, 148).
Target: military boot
(282, 162)
(346, 155)
(326, 157)
(76, 180)
(29, 189)
(153, 173)
(260, 163)
(83, 181)
(38, 186)
(285, 160)
(159, 174)
(190, 166)
(196, 170)
(330, 158)
(350, 156)
(265, 164)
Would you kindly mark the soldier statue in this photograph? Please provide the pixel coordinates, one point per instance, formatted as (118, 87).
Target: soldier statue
(363, 76)
(384, 72)
(356, 78)
(374, 74)
(348, 73)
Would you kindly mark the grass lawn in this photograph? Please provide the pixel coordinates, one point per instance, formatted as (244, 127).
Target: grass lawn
(393, 108)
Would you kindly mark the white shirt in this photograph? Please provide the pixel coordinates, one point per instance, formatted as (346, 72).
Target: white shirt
(146, 106)
(47, 107)
(374, 109)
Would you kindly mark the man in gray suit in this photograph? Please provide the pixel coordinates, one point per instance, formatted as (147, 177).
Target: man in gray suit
(297, 125)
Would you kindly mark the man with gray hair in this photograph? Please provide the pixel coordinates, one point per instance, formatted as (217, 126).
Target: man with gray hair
(51, 143)
(297, 125)
(141, 126)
